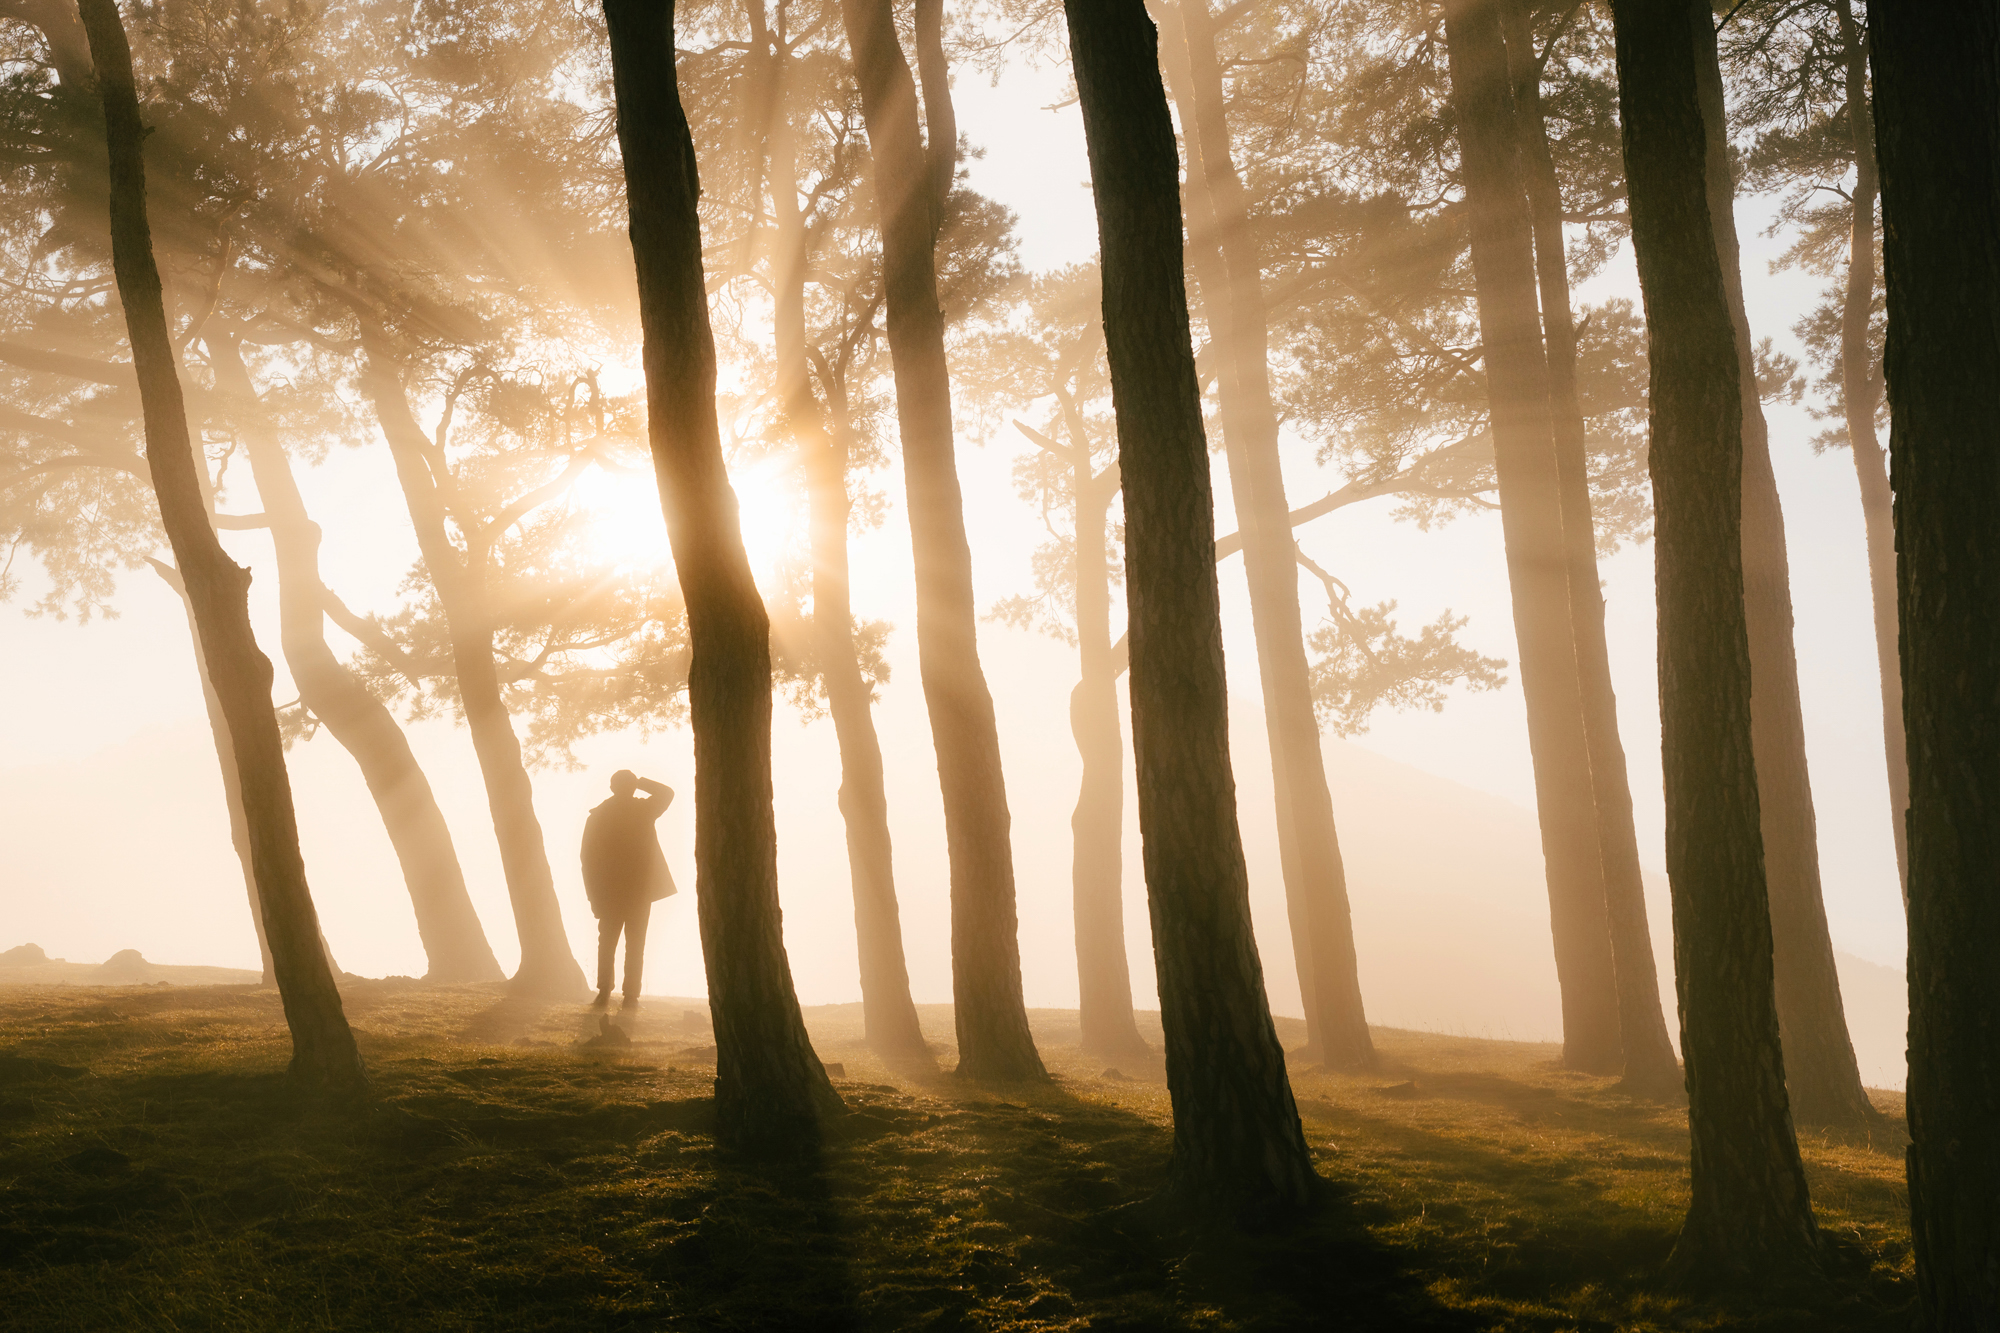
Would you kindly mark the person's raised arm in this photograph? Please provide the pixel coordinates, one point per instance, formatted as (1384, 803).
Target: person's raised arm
(662, 795)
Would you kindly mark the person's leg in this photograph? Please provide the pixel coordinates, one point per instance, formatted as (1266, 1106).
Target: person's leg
(635, 948)
(607, 953)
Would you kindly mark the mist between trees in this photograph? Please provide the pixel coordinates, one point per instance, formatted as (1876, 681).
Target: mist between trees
(1338, 250)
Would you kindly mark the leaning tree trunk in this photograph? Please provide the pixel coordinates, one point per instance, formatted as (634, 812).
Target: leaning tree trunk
(770, 1089)
(1228, 273)
(453, 940)
(548, 968)
(1227, 268)
(324, 1057)
(1531, 517)
(1820, 1070)
(1651, 1068)
(991, 1017)
(225, 758)
(1937, 107)
(889, 1016)
(1860, 395)
(1750, 1219)
(1097, 825)
(1237, 1139)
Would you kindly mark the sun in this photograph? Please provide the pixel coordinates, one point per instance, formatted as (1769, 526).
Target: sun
(628, 529)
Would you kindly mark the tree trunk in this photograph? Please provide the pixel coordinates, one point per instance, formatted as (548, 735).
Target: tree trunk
(888, 1014)
(991, 1017)
(770, 1089)
(225, 758)
(324, 1057)
(548, 968)
(1860, 395)
(1097, 826)
(1651, 1068)
(1937, 107)
(1820, 1069)
(1228, 273)
(1750, 1219)
(1531, 517)
(454, 941)
(1237, 1139)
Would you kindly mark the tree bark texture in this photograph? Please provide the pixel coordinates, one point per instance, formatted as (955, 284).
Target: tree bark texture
(888, 1014)
(1531, 517)
(1097, 825)
(1860, 396)
(1229, 276)
(1937, 108)
(454, 942)
(1651, 1067)
(548, 968)
(1820, 1069)
(991, 1017)
(770, 1089)
(324, 1057)
(1750, 1218)
(1237, 1138)
(225, 758)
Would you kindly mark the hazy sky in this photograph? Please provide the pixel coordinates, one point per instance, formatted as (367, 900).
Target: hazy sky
(113, 835)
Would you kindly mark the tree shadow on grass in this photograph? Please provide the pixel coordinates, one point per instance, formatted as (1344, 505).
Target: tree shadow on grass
(1563, 1242)
(1013, 1201)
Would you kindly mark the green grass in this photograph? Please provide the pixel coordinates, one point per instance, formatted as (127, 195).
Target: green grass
(155, 1174)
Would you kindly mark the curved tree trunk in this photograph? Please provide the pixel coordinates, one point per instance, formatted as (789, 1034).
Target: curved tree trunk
(324, 1057)
(1532, 520)
(1237, 1139)
(454, 941)
(770, 1089)
(1820, 1069)
(548, 968)
(1651, 1067)
(1860, 395)
(991, 1017)
(225, 758)
(1228, 273)
(1750, 1219)
(1097, 826)
(1937, 107)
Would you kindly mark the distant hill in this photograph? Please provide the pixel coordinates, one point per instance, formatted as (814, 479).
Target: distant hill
(27, 965)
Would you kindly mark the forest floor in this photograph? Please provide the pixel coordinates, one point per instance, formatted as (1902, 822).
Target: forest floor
(155, 1173)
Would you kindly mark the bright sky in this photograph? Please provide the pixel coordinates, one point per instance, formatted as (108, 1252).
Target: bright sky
(112, 831)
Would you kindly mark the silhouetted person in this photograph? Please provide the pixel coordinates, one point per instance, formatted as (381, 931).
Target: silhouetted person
(624, 874)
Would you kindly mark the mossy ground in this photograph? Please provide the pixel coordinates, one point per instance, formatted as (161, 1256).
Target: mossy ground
(155, 1173)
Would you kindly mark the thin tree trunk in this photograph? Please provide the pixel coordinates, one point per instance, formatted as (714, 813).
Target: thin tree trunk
(1531, 517)
(991, 1017)
(225, 758)
(324, 1057)
(1860, 395)
(1750, 1219)
(1237, 1138)
(548, 968)
(1651, 1068)
(770, 1089)
(1230, 279)
(1937, 107)
(888, 1014)
(454, 941)
(1820, 1069)
(1097, 826)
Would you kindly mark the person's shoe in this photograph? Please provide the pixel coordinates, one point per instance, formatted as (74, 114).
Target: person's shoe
(603, 1000)
(631, 1005)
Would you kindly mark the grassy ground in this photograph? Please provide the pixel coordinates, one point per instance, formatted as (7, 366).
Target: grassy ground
(154, 1174)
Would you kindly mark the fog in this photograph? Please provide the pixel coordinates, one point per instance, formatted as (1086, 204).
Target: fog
(115, 837)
